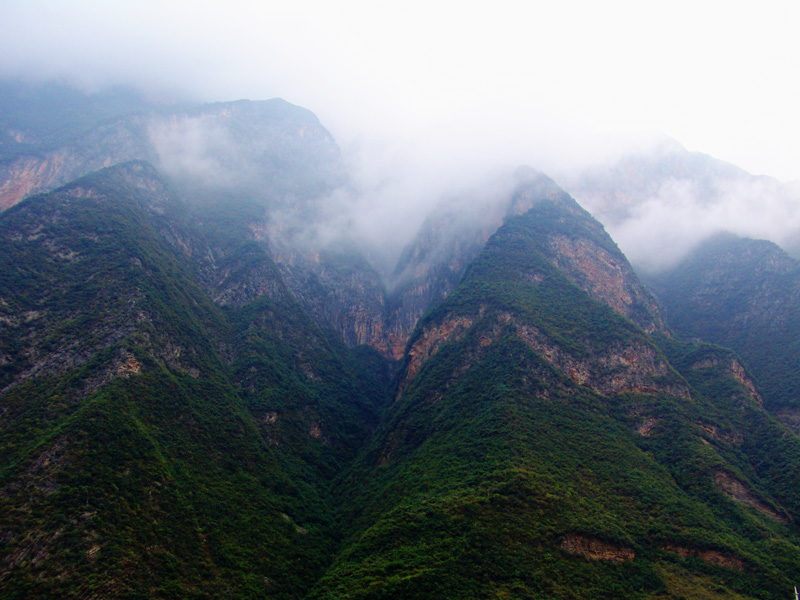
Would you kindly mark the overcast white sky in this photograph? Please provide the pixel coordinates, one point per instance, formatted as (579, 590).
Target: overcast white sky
(525, 81)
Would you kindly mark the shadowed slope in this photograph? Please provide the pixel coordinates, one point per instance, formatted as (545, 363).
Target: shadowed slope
(153, 444)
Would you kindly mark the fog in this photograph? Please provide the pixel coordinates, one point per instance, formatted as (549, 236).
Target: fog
(199, 149)
(716, 76)
(666, 227)
(378, 197)
(430, 100)
(662, 202)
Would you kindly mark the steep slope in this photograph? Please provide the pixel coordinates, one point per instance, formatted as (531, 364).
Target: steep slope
(266, 168)
(744, 294)
(542, 445)
(271, 150)
(452, 236)
(188, 407)
(153, 444)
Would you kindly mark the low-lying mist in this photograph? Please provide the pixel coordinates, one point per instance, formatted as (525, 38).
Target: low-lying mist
(658, 201)
(659, 206)
(372, 195)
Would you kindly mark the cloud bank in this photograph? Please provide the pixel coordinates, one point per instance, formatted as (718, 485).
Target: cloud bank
(511, 78)
(426, 99)
(660, 225)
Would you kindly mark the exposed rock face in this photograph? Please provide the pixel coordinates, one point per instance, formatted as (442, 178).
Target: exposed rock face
(736, 490)
(594, 549)
(740, 375)
(737, 371)
(607, 277)
(111, 337)
(433, 264)
(710, 556)
(249, 147)
(573, 242)
(579, 246)
(532, 403)
(726, 437)
(27, 175)
(432, 338)
(49, 233)
(646, 425)
(276, 155)
(341, 290)
(636, 368)
(558, 230)
(242, 146)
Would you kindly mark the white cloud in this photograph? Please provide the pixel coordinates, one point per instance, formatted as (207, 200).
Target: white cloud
(429, 98)
(719, 77)
(661, 229)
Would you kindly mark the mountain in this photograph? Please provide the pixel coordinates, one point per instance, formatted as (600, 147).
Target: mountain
(201, 395)
(542, 444)
(50, 136)
(616, 192)
(744, 294)
(661, 202)
(155, 443)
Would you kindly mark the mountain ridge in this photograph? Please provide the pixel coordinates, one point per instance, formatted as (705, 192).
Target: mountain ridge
(199, 400)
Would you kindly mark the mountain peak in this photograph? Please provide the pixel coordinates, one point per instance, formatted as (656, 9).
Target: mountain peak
(200, 397)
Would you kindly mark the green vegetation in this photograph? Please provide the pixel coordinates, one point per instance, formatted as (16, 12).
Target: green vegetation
(176, 423)
(138, 462)
(494, 471)
(742, 294)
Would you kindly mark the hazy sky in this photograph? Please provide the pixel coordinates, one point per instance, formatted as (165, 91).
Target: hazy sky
(539, 82)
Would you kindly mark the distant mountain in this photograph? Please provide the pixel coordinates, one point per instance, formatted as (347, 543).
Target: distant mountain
(207, 392)
(616, 192)
(660, 203)
(35, 119)
(273, 149)
(744, 294)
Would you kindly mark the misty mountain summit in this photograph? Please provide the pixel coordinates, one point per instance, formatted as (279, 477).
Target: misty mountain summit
(209, 387)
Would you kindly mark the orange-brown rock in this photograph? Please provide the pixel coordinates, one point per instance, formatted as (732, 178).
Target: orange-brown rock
(28, 175)
(710, 556)
(726, 437)
(738, 491)
(130, 367)
(740, 375)
(431, 339)
(606, 277)
(636, 367)
(594, 549)
(647, 425)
